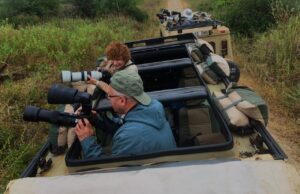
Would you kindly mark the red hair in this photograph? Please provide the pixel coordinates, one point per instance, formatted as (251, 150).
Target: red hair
(117, 51)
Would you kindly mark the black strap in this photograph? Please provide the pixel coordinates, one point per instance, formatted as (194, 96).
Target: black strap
(125, 66)
(122, 68)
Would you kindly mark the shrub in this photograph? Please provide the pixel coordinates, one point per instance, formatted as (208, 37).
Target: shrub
(40, 8)
(24, 12)
(39, 52)
(249, 17)
(93, 8)
(273, 57)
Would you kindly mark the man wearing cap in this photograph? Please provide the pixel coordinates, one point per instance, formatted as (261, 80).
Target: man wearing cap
(145, 127)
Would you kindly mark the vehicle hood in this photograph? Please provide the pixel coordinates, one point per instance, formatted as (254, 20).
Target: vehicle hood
(210, 176)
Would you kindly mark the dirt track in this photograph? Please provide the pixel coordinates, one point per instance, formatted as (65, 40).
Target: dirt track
(175, 5)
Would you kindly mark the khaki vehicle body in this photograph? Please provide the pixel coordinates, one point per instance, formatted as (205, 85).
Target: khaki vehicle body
(207, 29)
(221, 162)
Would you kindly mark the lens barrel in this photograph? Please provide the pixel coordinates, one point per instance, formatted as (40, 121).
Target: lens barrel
(59, 94)
(68, 76)
(35, 114)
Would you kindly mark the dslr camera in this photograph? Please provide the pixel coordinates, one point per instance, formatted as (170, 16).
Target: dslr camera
(58, 94)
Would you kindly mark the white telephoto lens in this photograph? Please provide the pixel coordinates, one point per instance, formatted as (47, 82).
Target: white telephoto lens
(65, 76)
(76, 76)
(96, 75)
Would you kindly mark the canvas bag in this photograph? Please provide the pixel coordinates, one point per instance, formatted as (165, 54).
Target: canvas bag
(239, 104)
(235, 119)
(214, 69)
(251, 103)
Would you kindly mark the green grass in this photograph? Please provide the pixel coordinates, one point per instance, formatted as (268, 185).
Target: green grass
(273, 57)
(39, 53)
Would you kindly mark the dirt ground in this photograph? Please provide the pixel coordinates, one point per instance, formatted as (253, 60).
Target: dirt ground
(176, 5)
(283, 128)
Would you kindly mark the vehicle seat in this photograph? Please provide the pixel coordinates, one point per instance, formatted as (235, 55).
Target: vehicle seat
(197, 126)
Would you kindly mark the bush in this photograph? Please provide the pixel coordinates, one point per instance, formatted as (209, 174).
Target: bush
(93, 8)
(249, 17)
(273, 57)
(282, 10)
(20, 20)
(40, 8)
(26, 12)
(39, 52)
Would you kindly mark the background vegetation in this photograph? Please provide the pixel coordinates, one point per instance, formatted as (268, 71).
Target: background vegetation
(267, 47)
(35, 46)
(266, 42)
(34, 57)
(249, 17)
(20, 12)
(33, 50)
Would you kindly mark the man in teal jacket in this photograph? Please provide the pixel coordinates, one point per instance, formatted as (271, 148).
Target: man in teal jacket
(145, 127)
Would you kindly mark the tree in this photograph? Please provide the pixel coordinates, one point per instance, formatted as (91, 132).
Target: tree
(40, 8)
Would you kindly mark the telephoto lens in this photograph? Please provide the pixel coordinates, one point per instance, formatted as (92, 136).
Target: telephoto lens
(68, 76)
(59, 94)
(36, 114)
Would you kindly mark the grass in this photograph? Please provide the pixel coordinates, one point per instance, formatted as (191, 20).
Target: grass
(150, 29)
(273, 57)
(38, 53)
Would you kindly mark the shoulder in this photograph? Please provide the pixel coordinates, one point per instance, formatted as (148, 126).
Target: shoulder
(130, 66)
(155, 103)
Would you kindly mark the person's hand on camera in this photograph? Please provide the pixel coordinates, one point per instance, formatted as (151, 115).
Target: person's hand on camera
(84, 129)
(91, 80)
(78, 111)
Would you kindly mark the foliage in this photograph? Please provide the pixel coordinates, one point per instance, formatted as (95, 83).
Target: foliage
(19, 10)
(38, 53)
(274, 57)
(93, 8)
(67, 41)
(250, 17)
(282, 10)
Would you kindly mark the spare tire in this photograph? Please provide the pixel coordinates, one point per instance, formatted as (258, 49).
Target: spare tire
(234, 72)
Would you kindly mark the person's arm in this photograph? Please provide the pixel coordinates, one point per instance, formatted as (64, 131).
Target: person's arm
(90, 147)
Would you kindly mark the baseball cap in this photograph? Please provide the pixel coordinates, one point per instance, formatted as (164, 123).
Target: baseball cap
(130, 84)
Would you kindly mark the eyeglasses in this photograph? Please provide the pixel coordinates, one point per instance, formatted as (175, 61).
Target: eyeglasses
(112, 96)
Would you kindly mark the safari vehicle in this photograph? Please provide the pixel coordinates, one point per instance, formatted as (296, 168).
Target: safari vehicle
(210, 158)
(201, 24)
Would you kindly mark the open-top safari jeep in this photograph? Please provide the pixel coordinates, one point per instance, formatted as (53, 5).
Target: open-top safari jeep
(212, 156)
(201, 24)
